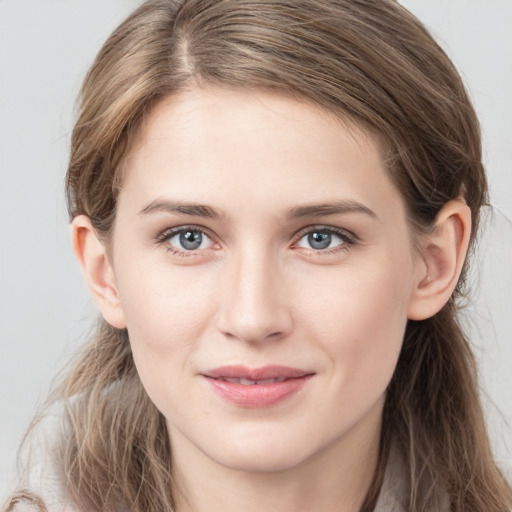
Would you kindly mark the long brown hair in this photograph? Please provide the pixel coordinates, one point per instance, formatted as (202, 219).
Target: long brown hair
(369, 61)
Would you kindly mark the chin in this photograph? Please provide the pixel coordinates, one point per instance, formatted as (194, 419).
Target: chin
(261, 462)
(261, 455)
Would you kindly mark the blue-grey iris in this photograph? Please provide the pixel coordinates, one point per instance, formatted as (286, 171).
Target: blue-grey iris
(191, 240)
(319, 240)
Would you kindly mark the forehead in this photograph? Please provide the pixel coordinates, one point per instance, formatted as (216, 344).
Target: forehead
(217, 112)
(246, 149)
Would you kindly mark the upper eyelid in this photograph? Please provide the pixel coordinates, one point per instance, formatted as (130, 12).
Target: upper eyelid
(332, 229)
(170, 232)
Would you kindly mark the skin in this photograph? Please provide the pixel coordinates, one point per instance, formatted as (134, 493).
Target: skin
(257, 293)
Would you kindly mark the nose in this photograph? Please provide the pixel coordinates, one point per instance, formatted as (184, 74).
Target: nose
(254, 303)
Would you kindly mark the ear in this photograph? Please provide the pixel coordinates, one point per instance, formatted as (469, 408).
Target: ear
(92, 257)
(442, 256)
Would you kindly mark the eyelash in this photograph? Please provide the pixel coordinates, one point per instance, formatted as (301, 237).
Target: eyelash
(168, 234)
(346, 237)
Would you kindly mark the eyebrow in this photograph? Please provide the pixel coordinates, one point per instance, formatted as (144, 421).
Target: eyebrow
(314, 210)
(334, 208)
(181, 207)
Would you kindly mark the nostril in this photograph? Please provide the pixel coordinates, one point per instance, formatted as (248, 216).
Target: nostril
(254, 335)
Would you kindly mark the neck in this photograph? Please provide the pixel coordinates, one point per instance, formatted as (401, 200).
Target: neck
(334, 479)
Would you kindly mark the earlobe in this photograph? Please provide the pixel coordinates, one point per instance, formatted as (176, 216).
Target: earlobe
(443, 252)
(92, 257)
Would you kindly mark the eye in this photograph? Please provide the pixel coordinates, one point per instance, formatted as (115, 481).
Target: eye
(186, 239)
(325, 239)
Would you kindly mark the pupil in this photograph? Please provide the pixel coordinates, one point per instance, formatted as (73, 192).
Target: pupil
(319, 240)
(191, 240)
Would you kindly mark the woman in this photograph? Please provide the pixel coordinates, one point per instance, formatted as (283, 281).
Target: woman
(272, 204)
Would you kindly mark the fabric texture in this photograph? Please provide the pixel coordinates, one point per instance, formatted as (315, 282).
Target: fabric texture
(38, 461)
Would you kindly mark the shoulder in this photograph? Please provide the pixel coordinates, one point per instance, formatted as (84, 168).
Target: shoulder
(506, 468)
(42, 486)
(396, 487)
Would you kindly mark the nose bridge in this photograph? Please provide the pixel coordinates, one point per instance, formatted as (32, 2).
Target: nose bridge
(254, 306)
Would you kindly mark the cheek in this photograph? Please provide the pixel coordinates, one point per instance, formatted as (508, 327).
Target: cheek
(166, 314)
(360, 318)
(163, 305)
(163, 328)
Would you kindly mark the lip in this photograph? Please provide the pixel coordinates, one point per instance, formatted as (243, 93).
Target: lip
(261, 393)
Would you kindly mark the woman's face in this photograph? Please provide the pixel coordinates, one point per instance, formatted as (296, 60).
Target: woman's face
(265, 269)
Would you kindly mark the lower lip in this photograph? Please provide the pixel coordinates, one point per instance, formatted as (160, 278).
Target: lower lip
(257, 395)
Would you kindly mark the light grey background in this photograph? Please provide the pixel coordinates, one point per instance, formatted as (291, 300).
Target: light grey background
(46, 47)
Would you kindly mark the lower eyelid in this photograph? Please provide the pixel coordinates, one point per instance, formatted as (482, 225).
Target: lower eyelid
(181, 253)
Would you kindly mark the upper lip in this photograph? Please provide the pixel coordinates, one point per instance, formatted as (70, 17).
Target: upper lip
(263, 373)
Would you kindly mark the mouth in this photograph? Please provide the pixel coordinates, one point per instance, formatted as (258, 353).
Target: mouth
(249, 382)
(256, 387)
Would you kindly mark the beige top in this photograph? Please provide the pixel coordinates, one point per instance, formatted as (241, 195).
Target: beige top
(42, 478)
(40, 475)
